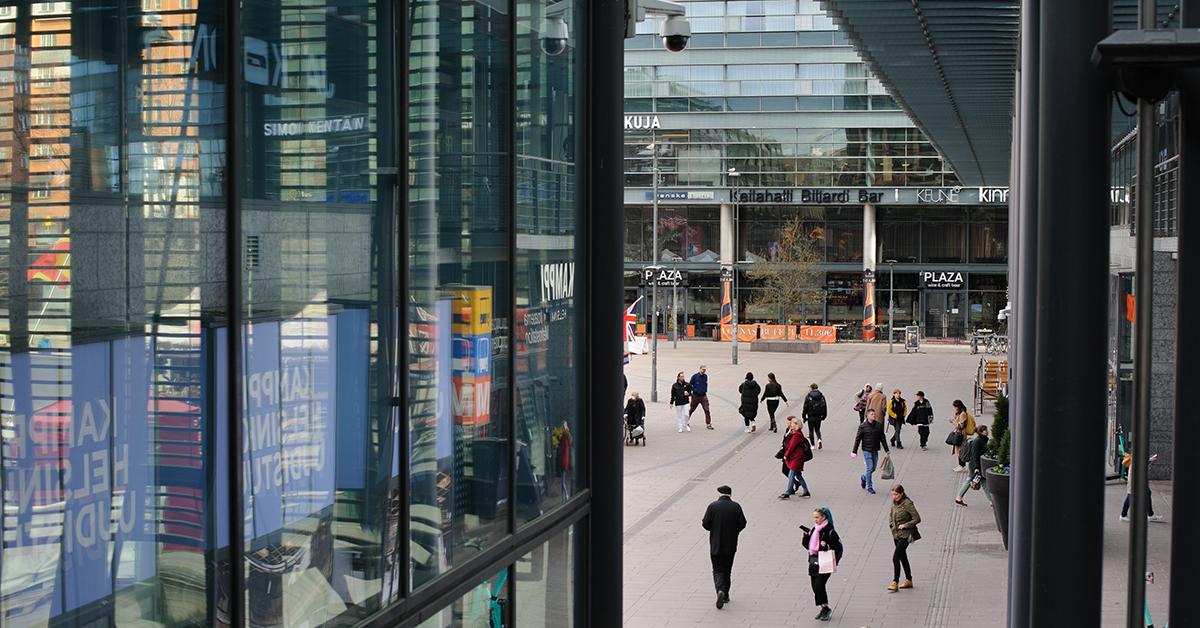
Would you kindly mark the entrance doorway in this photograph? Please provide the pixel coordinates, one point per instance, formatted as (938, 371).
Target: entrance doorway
(945, 314)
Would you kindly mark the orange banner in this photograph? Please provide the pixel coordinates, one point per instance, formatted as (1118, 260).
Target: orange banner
(746, 333)
(777, 332)
(827, 335)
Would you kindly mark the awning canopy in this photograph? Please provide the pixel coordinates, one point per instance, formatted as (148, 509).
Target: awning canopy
(950, 64)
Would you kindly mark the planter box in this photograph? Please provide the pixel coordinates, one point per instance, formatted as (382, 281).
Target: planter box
(998, 487)
(986, 463)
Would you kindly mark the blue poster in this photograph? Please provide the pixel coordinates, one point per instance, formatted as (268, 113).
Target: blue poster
(353, 417)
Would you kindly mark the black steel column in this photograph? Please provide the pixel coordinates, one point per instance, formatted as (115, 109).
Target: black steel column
(604, 262)
(1067, 531)
(234, 106)
(1023, 320)
(1185, 505)
(1143, 345)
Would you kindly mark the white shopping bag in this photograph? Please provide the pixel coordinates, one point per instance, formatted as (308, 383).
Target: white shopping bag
(826, 561)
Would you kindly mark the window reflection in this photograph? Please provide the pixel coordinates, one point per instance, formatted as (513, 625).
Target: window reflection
(546, 583)
(459, 291)
(111, 138)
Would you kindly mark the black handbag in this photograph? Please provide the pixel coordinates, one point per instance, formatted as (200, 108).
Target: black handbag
(779, 454)
(955, 438)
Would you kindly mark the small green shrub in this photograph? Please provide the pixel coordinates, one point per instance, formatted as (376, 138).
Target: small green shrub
(999, 427)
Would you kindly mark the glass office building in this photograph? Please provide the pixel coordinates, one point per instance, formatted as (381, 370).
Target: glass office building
(290, 314)
(770, 116)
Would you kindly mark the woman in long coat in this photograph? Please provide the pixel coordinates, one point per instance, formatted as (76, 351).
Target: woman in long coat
(749, 408)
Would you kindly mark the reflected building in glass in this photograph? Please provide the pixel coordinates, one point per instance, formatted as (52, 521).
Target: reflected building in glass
(292, 314)
(769, 117)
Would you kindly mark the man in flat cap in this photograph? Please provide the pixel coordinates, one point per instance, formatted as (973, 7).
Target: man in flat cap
(724, 521)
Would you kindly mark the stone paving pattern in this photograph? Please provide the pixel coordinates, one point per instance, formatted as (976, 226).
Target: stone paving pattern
(960, 565)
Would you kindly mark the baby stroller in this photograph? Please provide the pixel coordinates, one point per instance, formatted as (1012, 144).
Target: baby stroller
(635, 430)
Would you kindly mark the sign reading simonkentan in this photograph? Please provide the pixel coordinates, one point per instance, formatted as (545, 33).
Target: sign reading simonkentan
(327, 126)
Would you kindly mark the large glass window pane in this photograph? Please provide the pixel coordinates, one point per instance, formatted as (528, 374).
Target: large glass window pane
(943, 242)
(315, 281)
(546, 579)
(549, 238)
(459, 294)
(112, 311)
(844, 241)
(485, 606)
(989, 241)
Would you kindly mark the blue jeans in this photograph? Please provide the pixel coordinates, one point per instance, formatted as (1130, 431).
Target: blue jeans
(870, 458)
(793, 476)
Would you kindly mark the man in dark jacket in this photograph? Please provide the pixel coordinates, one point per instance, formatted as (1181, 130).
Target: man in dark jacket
(870, 436)
(724, 521)
(815, 411)
(921, 416)
(699, 384)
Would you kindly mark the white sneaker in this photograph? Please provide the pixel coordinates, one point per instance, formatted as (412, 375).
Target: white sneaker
(747, 429)
(1124, 518)
(688, 428)
(681, 430)
(1155, 518)
(960, 469)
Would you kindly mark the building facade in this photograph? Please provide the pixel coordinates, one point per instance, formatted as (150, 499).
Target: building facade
(291, 326)
(771, 116)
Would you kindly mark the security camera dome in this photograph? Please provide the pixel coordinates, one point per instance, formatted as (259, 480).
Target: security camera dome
(554, 36)
(675, 33)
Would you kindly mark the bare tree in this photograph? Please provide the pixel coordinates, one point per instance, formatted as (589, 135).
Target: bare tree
(792, 281)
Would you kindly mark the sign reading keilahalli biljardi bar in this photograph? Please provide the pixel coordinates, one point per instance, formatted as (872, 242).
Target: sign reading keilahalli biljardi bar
(837, 196)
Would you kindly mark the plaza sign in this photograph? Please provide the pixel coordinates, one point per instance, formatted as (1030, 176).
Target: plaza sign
(941, 279)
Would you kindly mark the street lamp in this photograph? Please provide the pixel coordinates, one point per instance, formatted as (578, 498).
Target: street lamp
(891, 301)
(733, 174)
(653, 148)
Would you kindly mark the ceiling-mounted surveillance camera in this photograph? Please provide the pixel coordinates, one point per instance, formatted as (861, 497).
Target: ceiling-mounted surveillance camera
(554, 36)
(675, 33)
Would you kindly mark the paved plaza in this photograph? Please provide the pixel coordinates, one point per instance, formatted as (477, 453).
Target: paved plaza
(960, 565)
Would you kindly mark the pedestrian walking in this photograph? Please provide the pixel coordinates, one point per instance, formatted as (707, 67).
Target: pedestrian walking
(749, 390)
(921, 416)
(773, 394)
(975, 448)
(796, 450)
(821, 537)
(878, 402)
(897, 409)
(870, 436)
(679, 400)
(699, 392)
(724, 521)
(814, 412)
(860, 402)
(964, 424)
(1127, 461)
(903, 519)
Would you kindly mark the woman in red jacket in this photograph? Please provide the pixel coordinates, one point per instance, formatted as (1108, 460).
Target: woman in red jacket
(795, 450)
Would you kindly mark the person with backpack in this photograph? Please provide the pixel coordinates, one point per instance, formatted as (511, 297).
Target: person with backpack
(897, 409)
(797, 451)
(749, 390)
(921, 416)
(860, 403)
(772, 395)
(815, 410)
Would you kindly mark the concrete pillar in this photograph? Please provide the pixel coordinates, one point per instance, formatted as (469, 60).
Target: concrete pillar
(869, 254)
(728, 246)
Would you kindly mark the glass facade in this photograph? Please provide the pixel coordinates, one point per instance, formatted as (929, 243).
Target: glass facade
(388, 225)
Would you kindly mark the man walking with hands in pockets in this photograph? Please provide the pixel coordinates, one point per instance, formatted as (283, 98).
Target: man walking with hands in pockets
(724, 521)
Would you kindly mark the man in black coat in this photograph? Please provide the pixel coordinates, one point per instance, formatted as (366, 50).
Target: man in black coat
(724, 521)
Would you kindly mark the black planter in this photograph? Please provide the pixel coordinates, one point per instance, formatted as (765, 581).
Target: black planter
(986, 463)
(998, 486)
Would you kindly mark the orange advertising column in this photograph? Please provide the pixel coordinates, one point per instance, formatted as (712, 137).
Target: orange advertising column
(868, 306)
